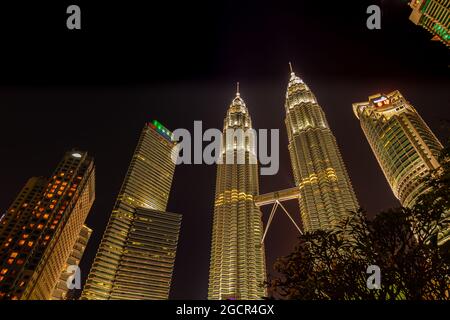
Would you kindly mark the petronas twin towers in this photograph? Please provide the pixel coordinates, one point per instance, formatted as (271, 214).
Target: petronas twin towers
(237, 267)
(326, 193)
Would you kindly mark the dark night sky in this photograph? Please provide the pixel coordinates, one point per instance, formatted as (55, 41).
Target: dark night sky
(94, 89)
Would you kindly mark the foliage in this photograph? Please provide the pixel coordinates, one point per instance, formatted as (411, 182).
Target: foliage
(403, 242)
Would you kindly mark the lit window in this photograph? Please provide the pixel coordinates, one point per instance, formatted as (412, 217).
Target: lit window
(14, 254)
(4, 271)
(30, 243)
(21, 242)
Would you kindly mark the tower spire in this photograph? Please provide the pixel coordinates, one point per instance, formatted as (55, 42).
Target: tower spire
(237, 89)
(290, 67)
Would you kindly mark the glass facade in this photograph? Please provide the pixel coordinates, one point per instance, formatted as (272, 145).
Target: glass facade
(403, 144)
(405, 147)
(123, 267)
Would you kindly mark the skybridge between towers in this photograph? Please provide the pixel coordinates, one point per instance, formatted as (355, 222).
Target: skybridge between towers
(276, 198)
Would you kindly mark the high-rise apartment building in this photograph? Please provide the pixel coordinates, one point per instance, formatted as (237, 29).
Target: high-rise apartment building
(326, 193)
(434, 16)
(60, 292)
(237, 266)
(40, 229)
(20, 212)
(136, 256)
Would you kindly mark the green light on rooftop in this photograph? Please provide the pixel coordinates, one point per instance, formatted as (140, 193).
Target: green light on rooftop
(161, 128)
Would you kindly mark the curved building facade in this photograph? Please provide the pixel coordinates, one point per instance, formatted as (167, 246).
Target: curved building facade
(237, 266)
(403, 144)
(326, 193)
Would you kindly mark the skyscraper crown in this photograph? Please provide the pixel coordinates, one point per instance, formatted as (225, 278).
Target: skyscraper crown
(237, 104)
(294, 78)
(237, 114)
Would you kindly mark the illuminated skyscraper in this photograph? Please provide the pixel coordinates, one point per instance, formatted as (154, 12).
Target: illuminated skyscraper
(405, 147)
(20, 211)
(237, 266)
(61, 289)
(434, 16)
(326, 193)
(136, 257)
(40, 229)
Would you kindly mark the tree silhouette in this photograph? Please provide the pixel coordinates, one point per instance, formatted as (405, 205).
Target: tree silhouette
(405, 243)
